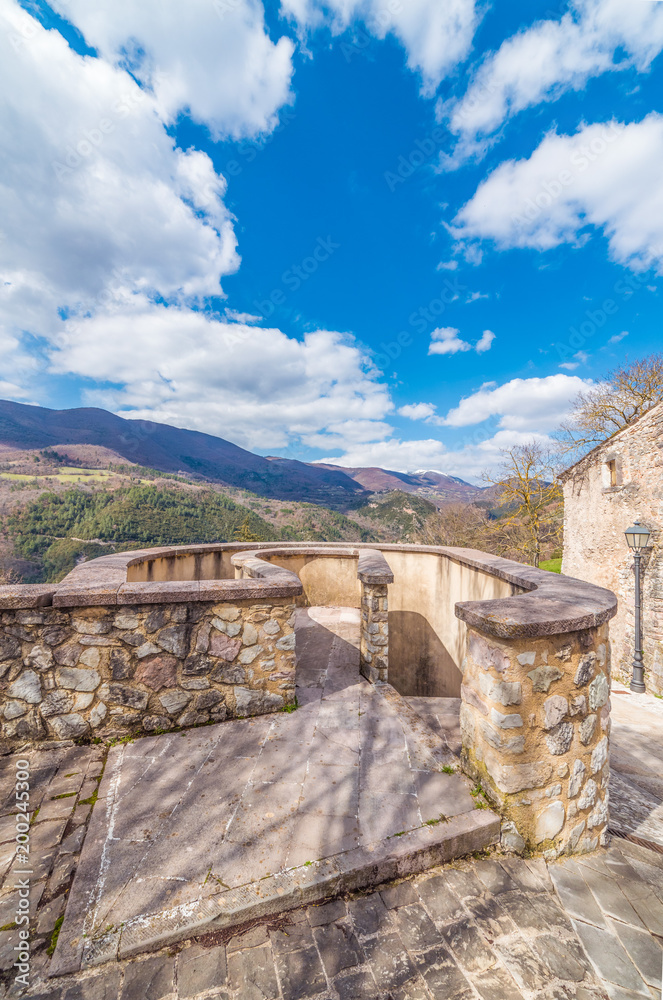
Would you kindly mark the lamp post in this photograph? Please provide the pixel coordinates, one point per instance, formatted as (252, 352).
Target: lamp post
(637, 539)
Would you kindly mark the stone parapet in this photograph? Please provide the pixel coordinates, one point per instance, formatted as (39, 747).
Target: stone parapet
(535, 722)
(74, 672)
(180, 636)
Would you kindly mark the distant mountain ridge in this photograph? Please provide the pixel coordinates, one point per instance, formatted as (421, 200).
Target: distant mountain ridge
(434, 485)
(172, 449)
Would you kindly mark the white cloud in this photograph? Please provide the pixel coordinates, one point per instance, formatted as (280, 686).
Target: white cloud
(606, 176)
(213, 59)
(553, 56)
(255, 386)
(417, 411)
(96, 202)
(446, 340)
(580, 358)
(486, 342)
(527, 409)
(436, 35)
(447, 265)
(99, 209)
(477, 454)
(531, 405)
(241, 317)
(618, 336)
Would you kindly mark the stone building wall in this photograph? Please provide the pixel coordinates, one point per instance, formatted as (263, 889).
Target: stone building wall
(535, 722)
(101, 671)
(596, 514)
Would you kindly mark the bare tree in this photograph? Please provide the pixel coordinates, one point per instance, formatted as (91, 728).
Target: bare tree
(623, 396)
(530, 501)
(461, 525)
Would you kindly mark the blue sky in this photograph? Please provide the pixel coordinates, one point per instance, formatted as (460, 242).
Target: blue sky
(375, 232)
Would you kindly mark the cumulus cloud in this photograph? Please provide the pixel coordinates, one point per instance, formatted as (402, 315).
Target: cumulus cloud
(606, 177)
(213, 59)
(417, 411)
(436, 36)
(447, 340)
(531, 405)
(96, 201)
(526, 410)
(255, 386)
(475, 455)
(486, 342)
(551, 57)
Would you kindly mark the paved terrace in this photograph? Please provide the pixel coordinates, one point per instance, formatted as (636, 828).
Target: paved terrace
(216, 826)
(168, 818)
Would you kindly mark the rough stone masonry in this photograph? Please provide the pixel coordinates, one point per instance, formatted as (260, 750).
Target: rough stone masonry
(617, 483)
(72, 672)
(535, 721)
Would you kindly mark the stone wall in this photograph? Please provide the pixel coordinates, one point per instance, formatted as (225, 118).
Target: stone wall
(374, 637)
(535, 721)
(596, 514)
(73, 672)
(102, 655)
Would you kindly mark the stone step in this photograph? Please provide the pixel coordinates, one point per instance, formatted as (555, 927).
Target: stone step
(362, 868)
(441, 716)
(209, 829)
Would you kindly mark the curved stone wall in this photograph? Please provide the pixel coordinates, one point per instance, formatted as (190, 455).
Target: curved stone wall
(157, 638)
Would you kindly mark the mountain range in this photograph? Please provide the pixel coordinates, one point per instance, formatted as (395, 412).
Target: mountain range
(193, 453)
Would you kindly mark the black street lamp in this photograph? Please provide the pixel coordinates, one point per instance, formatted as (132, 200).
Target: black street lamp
(637, 538)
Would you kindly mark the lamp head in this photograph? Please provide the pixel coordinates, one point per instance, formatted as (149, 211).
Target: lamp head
(637, 537)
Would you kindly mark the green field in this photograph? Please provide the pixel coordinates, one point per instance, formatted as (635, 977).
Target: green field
(552, 565)
(67, 475)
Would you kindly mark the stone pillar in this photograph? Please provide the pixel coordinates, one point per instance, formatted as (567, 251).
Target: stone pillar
(535, 720)
(374, 650)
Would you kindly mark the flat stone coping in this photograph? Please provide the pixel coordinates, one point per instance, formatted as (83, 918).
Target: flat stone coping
(552, 603)
(372, 567)
(213, 827)
(548, 604)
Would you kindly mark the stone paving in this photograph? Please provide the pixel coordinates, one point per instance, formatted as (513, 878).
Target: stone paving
(488, 928)
(217, 825)
(63, 785)
(636, 765)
